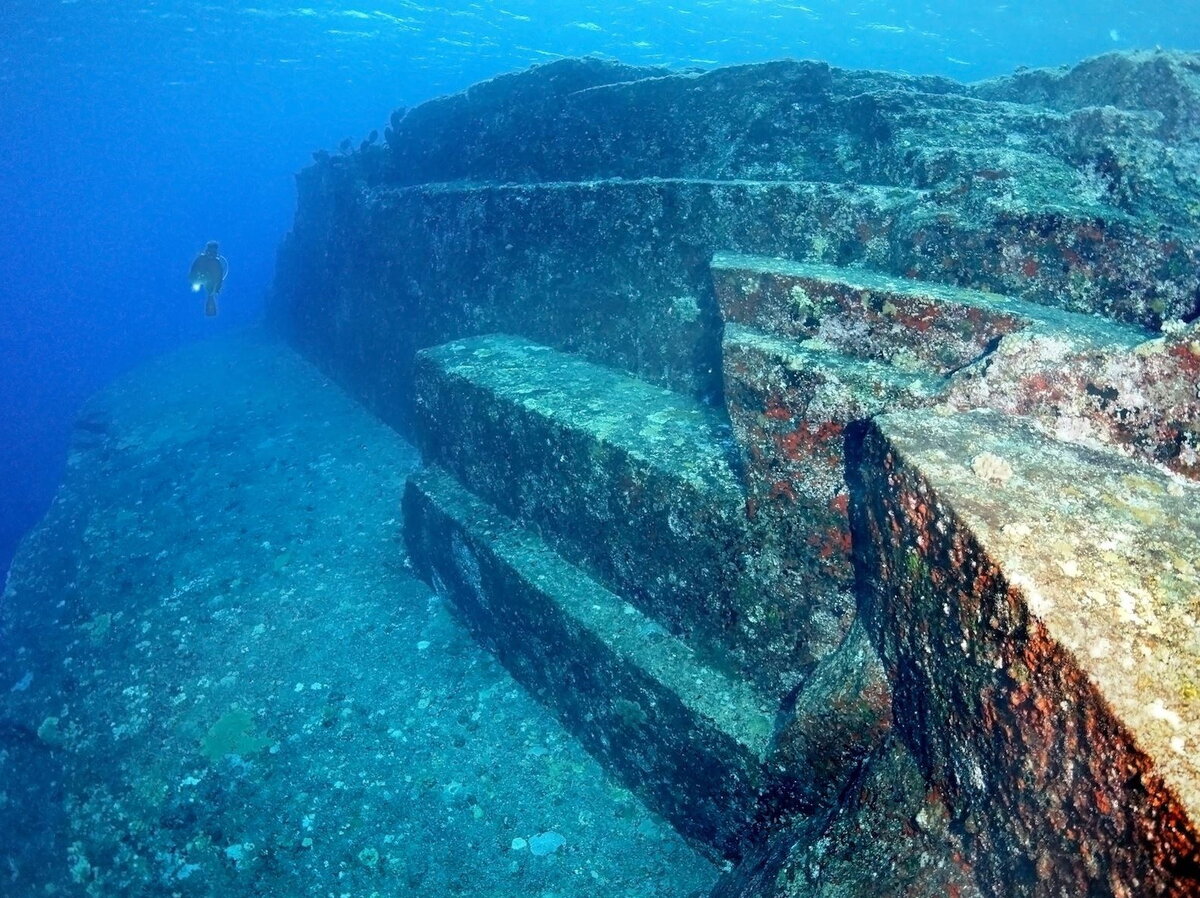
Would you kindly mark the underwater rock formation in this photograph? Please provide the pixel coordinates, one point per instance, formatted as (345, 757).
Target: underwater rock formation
(1040, 635)
(579, 203)
(876, 400)
(819, 447)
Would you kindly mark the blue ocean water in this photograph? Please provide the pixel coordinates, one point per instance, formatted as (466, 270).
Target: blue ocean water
(131, 133)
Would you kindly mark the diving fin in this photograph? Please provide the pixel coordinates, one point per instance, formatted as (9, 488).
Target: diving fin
(210, 307)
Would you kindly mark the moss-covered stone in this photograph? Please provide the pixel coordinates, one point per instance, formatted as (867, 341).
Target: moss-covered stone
(233, 733)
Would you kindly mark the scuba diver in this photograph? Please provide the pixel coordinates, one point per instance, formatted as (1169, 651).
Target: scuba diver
(209, 271)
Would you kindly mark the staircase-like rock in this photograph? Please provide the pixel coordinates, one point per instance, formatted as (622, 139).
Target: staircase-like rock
(630, 481)
(1036, 202)
(691, 740)
(1040, 640)
(591, 528)
(813, 351)
(682, 593)
(578, 204)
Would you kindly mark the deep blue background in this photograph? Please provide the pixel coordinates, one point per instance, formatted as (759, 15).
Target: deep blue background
(130, 135)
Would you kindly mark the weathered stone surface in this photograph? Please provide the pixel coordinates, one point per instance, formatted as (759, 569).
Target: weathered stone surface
(614, 270)
(1088, 139)
(1142, 398)
(855, 345)
(689, 739)
(813, 352)
(217, 678)
(1162, 85)
(631, 481)
(578, 205)
(841, 717)
(790, 405)
(913, 325)
(1042, 646)
(469, 136)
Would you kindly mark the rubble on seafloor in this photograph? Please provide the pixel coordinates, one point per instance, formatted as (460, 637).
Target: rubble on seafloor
(220, 679)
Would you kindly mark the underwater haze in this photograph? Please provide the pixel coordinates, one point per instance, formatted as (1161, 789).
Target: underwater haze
(132, 133)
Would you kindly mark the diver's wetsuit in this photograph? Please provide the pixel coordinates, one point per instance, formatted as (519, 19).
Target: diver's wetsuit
(209, 269)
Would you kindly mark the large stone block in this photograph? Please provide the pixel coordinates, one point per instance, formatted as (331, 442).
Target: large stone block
(580, 207)
(1141, 395)
(914, 325)
(1035, 607)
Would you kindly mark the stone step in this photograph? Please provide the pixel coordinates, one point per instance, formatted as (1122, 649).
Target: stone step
(689, 739)
(1042, 644)
(908, 323)
(549, 266)
(1084, 378)
(791, 402)
(811, 352)
(629, 481)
